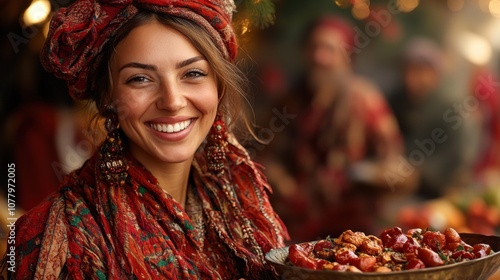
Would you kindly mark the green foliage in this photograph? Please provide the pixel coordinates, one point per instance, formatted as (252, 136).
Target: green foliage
(255, 13)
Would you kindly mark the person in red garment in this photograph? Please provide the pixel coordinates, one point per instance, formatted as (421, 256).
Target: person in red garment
(344, 140)
(170, 193)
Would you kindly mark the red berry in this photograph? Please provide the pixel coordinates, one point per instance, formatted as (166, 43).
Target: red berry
(452, 236)
(434, 239)
(429, 257)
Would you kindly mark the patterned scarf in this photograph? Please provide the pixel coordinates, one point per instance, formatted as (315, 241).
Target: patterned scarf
(137, 231)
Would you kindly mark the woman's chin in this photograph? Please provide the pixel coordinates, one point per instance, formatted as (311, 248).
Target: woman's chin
(174, 157)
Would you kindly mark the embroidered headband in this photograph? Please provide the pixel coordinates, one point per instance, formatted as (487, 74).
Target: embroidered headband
(79, 32)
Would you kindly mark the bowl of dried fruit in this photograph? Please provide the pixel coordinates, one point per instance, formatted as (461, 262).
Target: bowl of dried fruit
(395, 255)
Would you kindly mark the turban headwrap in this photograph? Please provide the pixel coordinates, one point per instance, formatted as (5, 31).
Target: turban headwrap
(78, 33)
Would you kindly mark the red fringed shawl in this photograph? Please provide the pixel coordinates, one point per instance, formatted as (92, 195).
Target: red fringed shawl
(137, 231)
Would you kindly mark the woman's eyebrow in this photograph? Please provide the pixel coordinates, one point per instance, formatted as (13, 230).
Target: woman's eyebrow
(179, 65)
(186, 62)
(138, 65)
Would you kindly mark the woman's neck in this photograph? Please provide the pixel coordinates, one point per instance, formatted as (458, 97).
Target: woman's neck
(172, 177)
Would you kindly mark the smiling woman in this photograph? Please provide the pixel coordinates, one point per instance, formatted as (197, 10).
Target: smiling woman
(170, 99)
(170, 194)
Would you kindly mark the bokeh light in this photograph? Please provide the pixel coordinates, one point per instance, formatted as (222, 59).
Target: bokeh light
(475, 48)
(407, 6)
(37, 12)
(494, 7)
(360, 10)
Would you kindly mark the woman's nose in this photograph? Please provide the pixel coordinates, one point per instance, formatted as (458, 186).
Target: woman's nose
(171, 97)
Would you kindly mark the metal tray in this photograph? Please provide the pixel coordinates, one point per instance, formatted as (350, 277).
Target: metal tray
(479, 269)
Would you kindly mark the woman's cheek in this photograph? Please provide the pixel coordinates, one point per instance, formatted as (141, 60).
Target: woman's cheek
(208, 102)
(131, 104)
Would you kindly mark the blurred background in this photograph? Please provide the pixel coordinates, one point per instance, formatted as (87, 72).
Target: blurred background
(370, 114)
(432, 67)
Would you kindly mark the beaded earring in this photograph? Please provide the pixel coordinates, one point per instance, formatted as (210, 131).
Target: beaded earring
(113, 165)
(216, 146)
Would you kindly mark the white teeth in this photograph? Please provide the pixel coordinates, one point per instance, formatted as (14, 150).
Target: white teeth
(170, 128)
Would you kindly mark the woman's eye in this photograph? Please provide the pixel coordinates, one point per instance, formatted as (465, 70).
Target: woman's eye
(195, 74)
(137, 79)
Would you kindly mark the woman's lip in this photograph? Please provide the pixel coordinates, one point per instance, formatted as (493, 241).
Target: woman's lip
(170, 120)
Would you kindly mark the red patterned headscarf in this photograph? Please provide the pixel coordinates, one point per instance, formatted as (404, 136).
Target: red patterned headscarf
(79, 32)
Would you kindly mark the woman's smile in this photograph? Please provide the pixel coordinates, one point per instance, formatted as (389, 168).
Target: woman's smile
(171, 130)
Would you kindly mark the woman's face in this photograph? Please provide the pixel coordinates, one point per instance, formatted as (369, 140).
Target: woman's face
(165, 94)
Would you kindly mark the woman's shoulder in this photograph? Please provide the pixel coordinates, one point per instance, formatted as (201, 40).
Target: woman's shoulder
(35, 219)
(30, 230)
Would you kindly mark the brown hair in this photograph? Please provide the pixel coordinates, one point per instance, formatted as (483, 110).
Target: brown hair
(231, 82)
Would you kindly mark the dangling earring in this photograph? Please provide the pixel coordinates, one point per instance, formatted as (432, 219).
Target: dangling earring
(216, 146)
(113, 165)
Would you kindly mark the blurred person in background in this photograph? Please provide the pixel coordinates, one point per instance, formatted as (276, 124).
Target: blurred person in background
(452, 136)
(335, 153)
(431, 121)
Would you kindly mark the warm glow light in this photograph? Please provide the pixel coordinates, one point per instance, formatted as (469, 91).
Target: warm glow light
(494, 7)
(37, 12)
(407, 6)
(245, 26)
(475, 48)
(455, 5)
(360, 10)
(343, 3)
